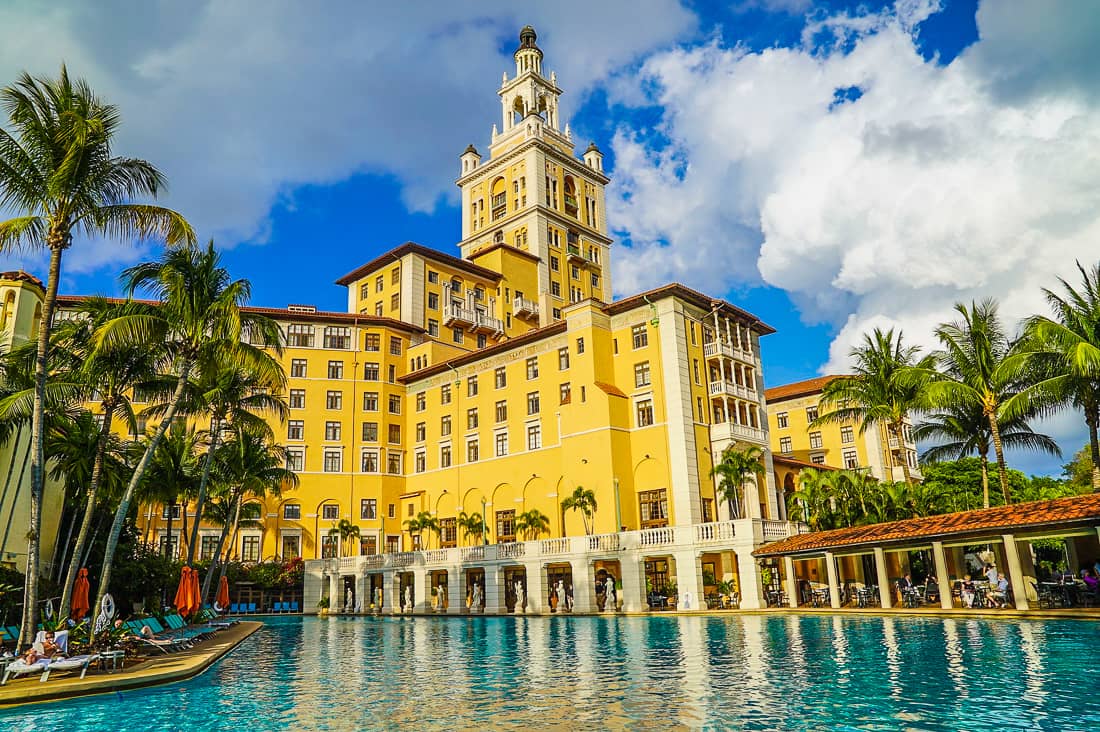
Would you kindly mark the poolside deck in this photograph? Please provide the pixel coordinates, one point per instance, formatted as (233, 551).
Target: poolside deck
(150, 672)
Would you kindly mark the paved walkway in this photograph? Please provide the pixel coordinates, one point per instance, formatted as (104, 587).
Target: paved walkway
(156, 670)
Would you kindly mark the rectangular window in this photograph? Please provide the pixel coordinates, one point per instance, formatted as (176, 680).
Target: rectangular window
(334, 399)
(471, 386)
(533, 402)
(847, 435)
(364, 290)
(445, 394)
(368, 509)
(815, 440)
(393, 462)
(506, 525)
(370, 432)
(369, 461)
(501, 441)
(336, 369)
(448, 533)
(555, 313)
(333, 462)
(433, 328)
(371, 372)
(555, 289)
(421, 431)
(295, 459)
(708, 510)
(433, 277)
(595, 281)
(297, 399)
(395, 346)
(641, 374)
(555, 264)
(372, 342)
(533, 368)
(298, 368)
(370, 401)
(378, 308)
(395, 404)
(295, 429)
(393, 543)
(644, 412)
(811, 414)
(421, 461)
(456, 335)
(781, 420)
(328, 546)
(250, 549)
(338, 336)
(851, 459)
(395, 276)
(379, 283)
(534, 436)
(563, 359)
(565, 393)
(500, 378)
(445, 456)
(580, 346)
(471, 451)
(395, 301)
(394, 434)
(209, 546)
(817, 459)
(445, 425)
(471, 419)
(640, 336)
(175, 511)
(299, 335)
(695, 369)
(785, 445)
(502, 411)
(332, 431)
(421, 401)
(292, 512)
(653, 507)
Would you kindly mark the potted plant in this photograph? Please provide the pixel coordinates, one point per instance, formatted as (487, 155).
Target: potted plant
(322, 606)
(671, 591)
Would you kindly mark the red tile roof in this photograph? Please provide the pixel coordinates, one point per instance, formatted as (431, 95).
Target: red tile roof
(798, 388)
(21, 276)
(1063, 512)
(675, 289)
(796, 463)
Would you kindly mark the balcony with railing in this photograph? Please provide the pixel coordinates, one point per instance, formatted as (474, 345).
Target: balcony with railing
(485, 323)
(725, 431)
(524, 308)
(732, 389)
(723, 348)
(458, 316)
(573, 251)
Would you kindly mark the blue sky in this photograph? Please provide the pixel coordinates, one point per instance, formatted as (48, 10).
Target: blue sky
(829, 166)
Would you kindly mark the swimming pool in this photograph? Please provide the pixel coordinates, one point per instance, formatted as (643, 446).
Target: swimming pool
(742, 672)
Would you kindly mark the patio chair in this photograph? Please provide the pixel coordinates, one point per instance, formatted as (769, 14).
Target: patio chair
(293, 606)
(251, 608)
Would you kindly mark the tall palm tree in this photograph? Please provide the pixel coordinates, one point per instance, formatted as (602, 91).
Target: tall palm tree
(976, 370)
(533, 523)
(964, 430)
(347, 533)
(878, 392)
(172, 474)
(1065, 350)
(199, 318)
(582, 500)
(423, 521)
(110, 375)
(733, 470)
(57, 169)
(809, 502)
(472, 525)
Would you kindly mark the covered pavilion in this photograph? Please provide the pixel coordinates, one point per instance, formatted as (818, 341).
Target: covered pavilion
(864, 564)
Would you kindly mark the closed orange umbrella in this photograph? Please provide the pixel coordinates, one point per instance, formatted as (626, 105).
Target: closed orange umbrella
(222, 600)
(80, 605)
(196, 592)
(183, 594)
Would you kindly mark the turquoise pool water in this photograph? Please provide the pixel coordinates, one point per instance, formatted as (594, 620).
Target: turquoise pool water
(797, 672)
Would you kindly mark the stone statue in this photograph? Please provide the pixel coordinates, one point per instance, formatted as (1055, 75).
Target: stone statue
(521, 597)
(442, 592)
(378, 599)
(475, 599)
(560, 589)
(569, 598)
(408, 598)
(610, 596)
(349, 602)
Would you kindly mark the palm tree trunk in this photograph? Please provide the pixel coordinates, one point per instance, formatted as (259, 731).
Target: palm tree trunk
(89, 509)
(202, 489)
(218, 552)
(135, 480)
(66, 549)
(998, 450)
(168, 531)
(985, 481)
(1093, 420)
(58, 241)
(183, 518)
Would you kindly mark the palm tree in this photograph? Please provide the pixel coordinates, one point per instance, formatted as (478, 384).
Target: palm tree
(809, 502)
(472, 525)
(172, 474)
(735, 468)
(347, 531)
(199, 319)
(964, 431)
(113, 374)
(977, 372)
(583, 500)
(423, 521)
(1065, 350)
(533, 523)
(878, 392)
(58, 171)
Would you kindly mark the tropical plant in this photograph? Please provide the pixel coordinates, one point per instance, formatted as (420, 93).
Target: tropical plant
(423, 521)
(1065, 351)
(172, 474)
(735, 468)
(347, 532)
(533, 524)
(584, 501)
(976, 371)
(809, 502)
(58, 171)
(878, 393)
(199, 319)
(472, 525)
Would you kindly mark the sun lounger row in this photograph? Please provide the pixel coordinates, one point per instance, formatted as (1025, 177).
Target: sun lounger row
(277, 607)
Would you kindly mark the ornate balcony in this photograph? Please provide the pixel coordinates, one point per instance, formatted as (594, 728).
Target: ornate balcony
(524, 308)
(456, 315)
(725, 431)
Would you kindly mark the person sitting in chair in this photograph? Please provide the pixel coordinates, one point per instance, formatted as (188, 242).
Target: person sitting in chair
(999, 592)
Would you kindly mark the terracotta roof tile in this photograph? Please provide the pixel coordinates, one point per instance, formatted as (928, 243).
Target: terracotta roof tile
(798, 388)
(796, 463)
(1072, 510)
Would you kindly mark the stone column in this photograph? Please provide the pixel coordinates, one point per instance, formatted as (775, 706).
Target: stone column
(942, 577)
(885, 594)
(362, 592)
(335, 597)
(748, 576)
(790, 581)
(834, 581)
(634, 595)
(689, 582)
(456, 591)
(583, 600)
(1015, 572)
(390, 591)
(494, 590)
(535, 589)
(422, 596)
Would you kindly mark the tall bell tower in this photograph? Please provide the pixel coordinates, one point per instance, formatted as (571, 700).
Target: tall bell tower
(534, 194)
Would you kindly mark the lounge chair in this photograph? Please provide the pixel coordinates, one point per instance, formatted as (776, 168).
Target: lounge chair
(152, 638)
(251, 607)
(293, 606)
(47, 666)
(233, 608)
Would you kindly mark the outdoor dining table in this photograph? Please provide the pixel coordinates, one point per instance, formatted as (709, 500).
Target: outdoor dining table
(820, 596)
(1067, 592)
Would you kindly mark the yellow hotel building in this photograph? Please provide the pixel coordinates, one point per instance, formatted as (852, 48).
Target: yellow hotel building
(498, 382)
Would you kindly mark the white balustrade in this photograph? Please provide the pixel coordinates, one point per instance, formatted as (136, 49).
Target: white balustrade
(473, 553)
(717, 531)
(403, 559)
(603, 543)
(511, 551)
(554, 546)
(436, 556)
(662, 536)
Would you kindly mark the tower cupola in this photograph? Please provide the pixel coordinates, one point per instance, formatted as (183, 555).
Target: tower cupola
(470, 158)
(593, 158)
(528, 56)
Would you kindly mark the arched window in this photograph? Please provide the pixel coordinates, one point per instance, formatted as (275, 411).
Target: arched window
(9, 311)
(570, 197)
(519, 110)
